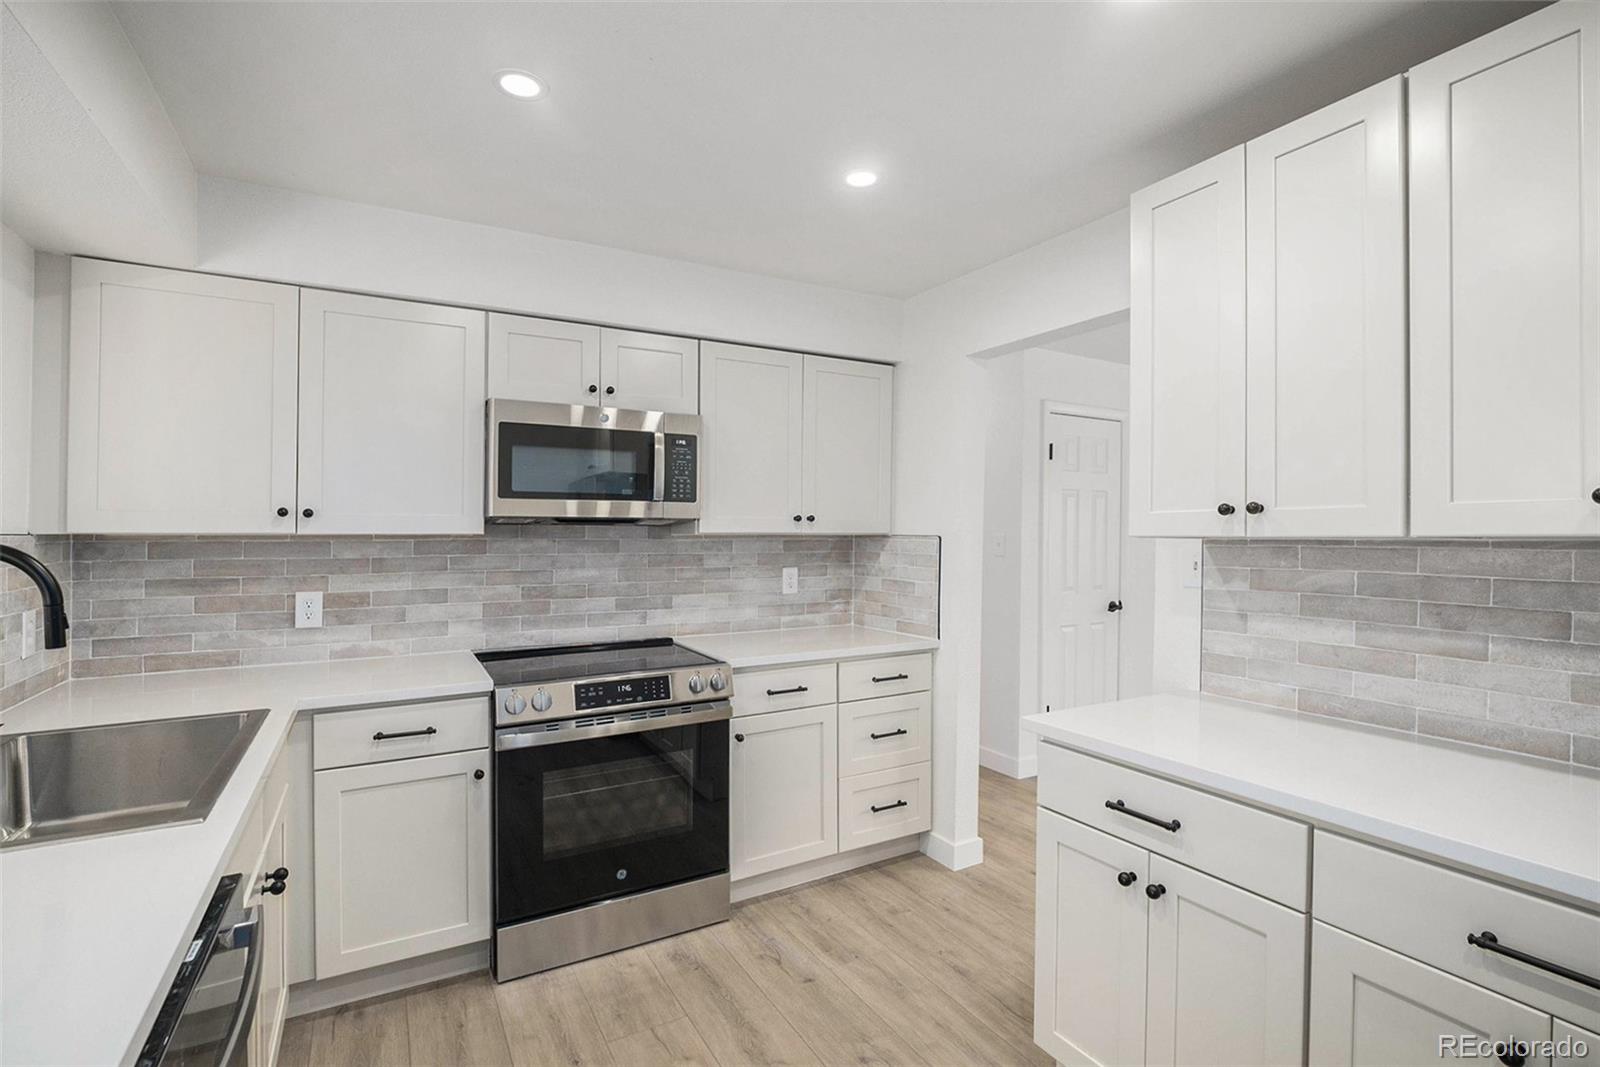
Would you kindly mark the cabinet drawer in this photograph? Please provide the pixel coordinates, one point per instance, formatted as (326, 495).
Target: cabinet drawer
(860, 679)
(901, 797)
(345, 738)
(1259, 851)
(1426, 912)
(875, 735)
(782, 688)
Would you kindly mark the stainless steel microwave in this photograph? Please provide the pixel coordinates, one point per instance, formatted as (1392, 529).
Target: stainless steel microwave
(568, 462)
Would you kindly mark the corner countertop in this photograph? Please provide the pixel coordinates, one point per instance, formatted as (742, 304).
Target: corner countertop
(92, 930)
(771, 648)
(1518, 820)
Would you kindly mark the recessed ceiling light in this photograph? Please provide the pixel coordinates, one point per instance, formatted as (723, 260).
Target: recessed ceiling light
(519, 83)
(860, 179)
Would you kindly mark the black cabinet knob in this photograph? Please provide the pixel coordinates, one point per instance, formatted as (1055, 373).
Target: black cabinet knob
(1254, 508)
(1127, 878)
(1155, 891)
(594, 388)
(275, 888)
(739, 738)
(477, 775)
(797, 518)
(279, 875)
(1595, 496)
(283, 513)
(610, 390)
(307, 513)
(1115, 605)
(1511, 1057)
(811, 518)
(1224, 509)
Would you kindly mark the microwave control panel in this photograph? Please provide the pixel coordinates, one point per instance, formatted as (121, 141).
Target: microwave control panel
(682, 469)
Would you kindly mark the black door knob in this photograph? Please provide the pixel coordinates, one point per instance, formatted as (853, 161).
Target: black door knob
(283, 513)
(1254, 508)
(1115, 605)
(594, 388)
(1224, 509)
(739, 738)
(308, 513)
(610, 390)
(477, 775)
(1155, 891)
(1127, 878)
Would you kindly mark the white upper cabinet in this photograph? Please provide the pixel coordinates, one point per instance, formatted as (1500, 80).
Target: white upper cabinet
(1505, 281)
(182, 403)
(649, 372)
(1326, 322)
(848, 423)
(543, 360)
(391, 416)
(1186, 439)
(750, 443)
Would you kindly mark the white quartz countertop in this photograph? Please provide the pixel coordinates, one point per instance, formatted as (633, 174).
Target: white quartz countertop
(770, 648)
(91, 931)
(1518, 820)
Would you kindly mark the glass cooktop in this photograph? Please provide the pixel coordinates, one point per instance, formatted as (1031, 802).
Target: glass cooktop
(574, 663)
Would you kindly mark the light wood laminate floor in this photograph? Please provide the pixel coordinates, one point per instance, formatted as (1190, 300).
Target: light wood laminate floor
(903, 962)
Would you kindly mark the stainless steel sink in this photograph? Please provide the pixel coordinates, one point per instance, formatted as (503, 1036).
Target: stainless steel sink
(61, 784)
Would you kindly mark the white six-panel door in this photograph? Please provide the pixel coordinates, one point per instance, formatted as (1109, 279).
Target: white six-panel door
(182, 402)
(649, 371)
(1089, 951)
(543, 360)
(848, 427)
(1326, 322)
(391, 416)
(1186, 376)
(1082, 539)
(784, 804)
(751, 439)
(1227, 974)
(1505, 281)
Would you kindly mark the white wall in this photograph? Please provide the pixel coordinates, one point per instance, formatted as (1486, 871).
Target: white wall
(16, 380)
(277, 234)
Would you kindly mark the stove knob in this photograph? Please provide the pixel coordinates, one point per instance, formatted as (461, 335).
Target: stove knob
(718, 682)
(541, 700)
(697, 684)
(514, 704)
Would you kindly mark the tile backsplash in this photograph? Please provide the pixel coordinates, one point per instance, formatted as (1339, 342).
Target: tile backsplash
(1490, 642)
(21, 676)
(185, 602)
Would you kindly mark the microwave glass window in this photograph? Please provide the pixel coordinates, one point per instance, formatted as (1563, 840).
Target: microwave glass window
(576, 463)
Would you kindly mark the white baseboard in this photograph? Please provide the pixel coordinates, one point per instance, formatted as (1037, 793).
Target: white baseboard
(1010, 766)
(789, 877)
(308, 997)
(955, 855)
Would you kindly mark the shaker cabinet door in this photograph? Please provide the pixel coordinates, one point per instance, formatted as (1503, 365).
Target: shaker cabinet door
(751, 439)
(848, 426)
(543, 360)
(1505, 281)
(649, 372)
(784, 806)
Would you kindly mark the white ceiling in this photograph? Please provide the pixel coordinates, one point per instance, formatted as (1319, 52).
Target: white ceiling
(719, 132)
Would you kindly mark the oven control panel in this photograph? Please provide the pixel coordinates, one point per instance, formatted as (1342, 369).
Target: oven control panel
(683, 477)
(647, 690)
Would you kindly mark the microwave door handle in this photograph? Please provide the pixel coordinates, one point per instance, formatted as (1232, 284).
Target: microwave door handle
(660, 489)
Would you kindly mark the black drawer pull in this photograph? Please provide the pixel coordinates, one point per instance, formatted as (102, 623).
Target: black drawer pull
(1170, 825)
(888, 807)
(892, 678)
(786, 692)
(426, 731)
(891, 733)
(1489, 943)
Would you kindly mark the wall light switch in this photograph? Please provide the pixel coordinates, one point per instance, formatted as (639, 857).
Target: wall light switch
(791, 580)
(307, 610)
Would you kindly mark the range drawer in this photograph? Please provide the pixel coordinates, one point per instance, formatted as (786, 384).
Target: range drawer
(1254, 849)
(862, 679)
(369, 735)
(884, 805)
(875, 735)
(783, 688)
(1426, 912)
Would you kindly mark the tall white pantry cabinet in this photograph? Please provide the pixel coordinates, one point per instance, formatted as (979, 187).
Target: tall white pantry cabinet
(1269, 371)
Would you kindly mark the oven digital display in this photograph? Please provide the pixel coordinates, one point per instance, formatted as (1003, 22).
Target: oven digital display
(587, 695)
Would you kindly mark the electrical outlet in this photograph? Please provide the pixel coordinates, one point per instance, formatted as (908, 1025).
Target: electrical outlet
(30, 633)
(307, 610)
(791, 580)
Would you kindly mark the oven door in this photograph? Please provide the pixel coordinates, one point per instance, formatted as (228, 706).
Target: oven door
(585, 813)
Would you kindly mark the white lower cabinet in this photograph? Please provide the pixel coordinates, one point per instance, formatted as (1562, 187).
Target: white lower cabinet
(1371, 1007)
(784, 801)
(402, 859)
(1574, 1046)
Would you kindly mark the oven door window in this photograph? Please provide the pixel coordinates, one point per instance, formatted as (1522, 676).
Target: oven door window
(587, 820)
(539, 462)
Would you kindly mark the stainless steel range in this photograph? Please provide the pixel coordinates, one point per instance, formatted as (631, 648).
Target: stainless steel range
(610, 799)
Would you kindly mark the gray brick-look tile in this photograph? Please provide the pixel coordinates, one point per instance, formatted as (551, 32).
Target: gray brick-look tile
(1498, 562)
(1431, 695)
(1362, 660)
(1437, 588)
(1373, 712)
(1496, 676)
(1549, 744)
(1428, 642)
(1359, 558)
(1513, 622)
(1359, 608)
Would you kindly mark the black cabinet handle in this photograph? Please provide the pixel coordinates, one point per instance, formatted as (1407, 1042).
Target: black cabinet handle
(307, 513)
(594, 388)
(891, 733)
(1254, 508)
(1156, 891)
(786, 692)
(1490, 943)
(477, 775)
(1115, 605)
(610, 390)
(1170, 825)
(888, 807)
(739, 738)
(891, 678)
(1127, 878)
(424, 732)
(1224, 509)
(283, 513)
